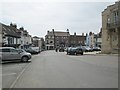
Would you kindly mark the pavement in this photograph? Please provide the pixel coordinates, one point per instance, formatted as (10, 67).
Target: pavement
(98, 53)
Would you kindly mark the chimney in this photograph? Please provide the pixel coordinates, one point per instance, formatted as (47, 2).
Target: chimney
(75, 33)
(67, 30)
(90, 33)
(13, 25)
(21, 28)
(82, 34)
(47, 32)
(53, 30)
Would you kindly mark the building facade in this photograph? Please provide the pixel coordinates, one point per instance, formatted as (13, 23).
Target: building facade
(90, 41)
(77, 40)
(26, 39)
(50, 40)
(0, 35)
(10, 37)
(56, 39)
(98, 39)
(38, 42)
(13, 37)
(111, 29)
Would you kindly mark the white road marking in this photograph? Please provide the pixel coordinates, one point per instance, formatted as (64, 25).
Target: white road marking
(13, 84)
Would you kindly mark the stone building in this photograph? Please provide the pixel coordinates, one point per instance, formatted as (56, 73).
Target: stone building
(56, 39)
(50, 40)
(1, 35)
(111, 28)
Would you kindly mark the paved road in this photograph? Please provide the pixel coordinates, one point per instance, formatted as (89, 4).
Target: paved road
(10, 71)
(58, 70)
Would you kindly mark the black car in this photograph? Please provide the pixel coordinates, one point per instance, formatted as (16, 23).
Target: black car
(74, 51)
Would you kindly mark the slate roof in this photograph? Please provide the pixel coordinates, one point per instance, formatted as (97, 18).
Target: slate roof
(59, 33)
(10, 31)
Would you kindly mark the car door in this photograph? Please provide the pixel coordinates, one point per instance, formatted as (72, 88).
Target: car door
(15, 55)
(6, 54)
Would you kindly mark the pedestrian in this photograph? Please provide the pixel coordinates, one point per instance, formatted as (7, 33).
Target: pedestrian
(56, 50)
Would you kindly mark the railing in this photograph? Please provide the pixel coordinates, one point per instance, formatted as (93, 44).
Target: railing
(113, 25)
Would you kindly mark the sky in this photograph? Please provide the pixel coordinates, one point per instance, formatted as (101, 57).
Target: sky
(37, 17)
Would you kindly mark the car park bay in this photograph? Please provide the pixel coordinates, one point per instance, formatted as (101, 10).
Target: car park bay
(12, 70)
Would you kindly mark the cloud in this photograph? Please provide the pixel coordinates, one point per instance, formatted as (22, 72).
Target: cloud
(37, 18)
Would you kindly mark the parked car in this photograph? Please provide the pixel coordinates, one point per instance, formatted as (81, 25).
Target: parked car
(37, 49)
(61, 49)
(96, 49)
(10, 53)
(86, 49)
(74, 51)
(33, 50)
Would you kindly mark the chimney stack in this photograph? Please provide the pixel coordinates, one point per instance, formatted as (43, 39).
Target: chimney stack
(21, 28)
(75, 33)
(13, 25)
(48, 32)
(53, 30)
(82, 34)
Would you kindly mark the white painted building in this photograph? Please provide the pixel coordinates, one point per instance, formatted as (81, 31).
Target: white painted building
(25, 40)
(38, 42)
(90, 41)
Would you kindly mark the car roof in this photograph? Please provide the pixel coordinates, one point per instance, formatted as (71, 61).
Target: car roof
(7, 48)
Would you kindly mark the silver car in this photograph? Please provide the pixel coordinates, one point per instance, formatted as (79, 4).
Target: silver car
(10, 53)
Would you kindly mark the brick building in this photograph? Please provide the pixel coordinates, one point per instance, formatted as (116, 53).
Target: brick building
(56, 39)
(77, 40)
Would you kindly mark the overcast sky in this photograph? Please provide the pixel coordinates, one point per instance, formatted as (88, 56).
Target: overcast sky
(38, 17)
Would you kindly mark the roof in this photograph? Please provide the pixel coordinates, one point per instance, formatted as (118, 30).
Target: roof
(10, 31)
(59, 33)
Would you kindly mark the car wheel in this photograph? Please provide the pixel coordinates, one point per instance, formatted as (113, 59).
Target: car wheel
(24, 59)
(81, 53)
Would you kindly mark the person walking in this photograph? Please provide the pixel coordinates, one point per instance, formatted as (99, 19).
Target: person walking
(56, 49)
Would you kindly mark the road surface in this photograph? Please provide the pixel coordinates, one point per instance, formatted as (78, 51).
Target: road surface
(50, 69)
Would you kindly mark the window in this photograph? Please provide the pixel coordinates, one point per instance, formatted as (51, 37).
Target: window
(115, 16)
(108, 20)
(5, 50)
(47, 42)
(10, 40)
(51, 41)
(13, 50)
